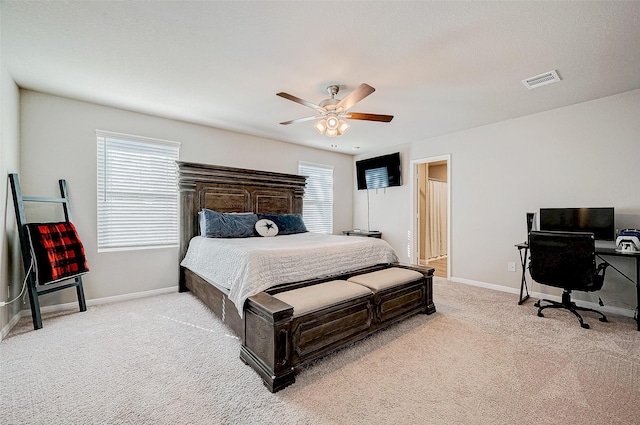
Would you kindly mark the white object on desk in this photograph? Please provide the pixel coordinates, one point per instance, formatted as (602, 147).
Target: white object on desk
(628, 243)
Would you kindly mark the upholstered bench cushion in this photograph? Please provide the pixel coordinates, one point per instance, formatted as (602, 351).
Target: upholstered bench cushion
(386, 278)
(315, 297)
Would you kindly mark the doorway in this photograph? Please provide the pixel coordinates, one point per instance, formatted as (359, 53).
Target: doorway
(431, 195)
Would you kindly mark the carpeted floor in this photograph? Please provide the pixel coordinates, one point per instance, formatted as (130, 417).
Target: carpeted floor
(481, 359)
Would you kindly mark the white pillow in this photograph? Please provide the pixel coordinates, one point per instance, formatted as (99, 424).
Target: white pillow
(266, 227)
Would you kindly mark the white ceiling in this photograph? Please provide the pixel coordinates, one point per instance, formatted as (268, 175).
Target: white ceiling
(438, 67)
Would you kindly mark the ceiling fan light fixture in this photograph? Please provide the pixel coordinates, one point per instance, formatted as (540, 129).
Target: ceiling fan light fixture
(343, 127)
(332, 132)
(320, 126)
(332, 122)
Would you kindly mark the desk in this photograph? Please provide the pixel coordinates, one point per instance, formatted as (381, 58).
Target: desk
(523, 249)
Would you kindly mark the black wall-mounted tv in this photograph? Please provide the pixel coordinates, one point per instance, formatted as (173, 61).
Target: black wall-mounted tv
(599, 221)
(379, 172)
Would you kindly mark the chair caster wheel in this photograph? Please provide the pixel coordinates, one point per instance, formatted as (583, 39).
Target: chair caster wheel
(537, 304)
(603, 319)
(585, 325)
(540, 314)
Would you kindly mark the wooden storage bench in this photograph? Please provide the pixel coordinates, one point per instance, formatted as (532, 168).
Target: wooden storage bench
(301, 322)
(397, 293)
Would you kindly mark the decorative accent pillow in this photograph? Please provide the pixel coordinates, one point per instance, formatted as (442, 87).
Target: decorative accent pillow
(266, 227)
(57, 251)
(288, 224)
(214, 224)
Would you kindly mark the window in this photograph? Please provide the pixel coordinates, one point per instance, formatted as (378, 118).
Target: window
(137, 192)
(317, 207)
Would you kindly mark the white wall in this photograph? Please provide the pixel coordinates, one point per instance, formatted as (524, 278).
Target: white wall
(58, 141)
(584, 155)
(388, 209)
(9, 161)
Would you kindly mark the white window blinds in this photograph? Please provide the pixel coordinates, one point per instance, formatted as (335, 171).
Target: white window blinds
(137, 192)
(317, 208)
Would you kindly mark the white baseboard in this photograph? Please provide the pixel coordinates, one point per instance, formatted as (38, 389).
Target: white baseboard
(104, 300)
(607, 309)
(74, 305)
(485, 285)
(10, 325)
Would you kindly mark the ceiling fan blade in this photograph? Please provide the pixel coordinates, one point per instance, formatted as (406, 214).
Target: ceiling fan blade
(300, 120)
(368, 117)
(362, 91)
(298, 100)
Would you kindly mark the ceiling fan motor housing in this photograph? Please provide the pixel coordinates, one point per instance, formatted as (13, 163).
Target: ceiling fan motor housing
(329, 104)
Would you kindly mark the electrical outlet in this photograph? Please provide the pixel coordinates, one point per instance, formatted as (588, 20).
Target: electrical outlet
(511, 266)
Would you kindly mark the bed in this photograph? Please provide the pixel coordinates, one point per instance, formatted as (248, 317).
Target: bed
(228, 189)
(235, 190)
(256, 264)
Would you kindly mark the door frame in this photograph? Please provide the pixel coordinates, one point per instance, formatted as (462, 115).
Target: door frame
(415, 193)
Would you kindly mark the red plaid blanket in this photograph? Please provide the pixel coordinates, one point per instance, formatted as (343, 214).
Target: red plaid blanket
(57, 251)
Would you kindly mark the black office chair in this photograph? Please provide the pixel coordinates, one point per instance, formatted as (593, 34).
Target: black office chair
(566, 260)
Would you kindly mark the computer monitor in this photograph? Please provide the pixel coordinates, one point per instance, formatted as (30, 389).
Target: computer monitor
(599, 221)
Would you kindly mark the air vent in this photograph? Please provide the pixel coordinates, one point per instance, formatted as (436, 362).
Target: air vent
(541, 80)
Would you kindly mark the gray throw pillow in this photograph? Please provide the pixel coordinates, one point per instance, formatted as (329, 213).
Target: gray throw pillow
(214, 224)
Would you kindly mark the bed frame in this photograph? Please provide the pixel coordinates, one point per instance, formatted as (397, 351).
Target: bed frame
(228, 189)
(268, 345)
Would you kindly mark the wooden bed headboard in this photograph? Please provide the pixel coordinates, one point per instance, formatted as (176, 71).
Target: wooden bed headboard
(228, 189)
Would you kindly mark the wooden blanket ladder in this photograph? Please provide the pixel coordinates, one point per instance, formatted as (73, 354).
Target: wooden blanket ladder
(34, 293)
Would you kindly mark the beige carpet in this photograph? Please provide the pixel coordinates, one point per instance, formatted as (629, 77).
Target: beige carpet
(481, 359)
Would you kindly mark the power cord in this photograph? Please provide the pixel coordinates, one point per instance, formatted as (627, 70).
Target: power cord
(602, 304)
(24, 286)
(629, 306)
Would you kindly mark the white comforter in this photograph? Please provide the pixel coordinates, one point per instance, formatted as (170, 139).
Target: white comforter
(247, 266)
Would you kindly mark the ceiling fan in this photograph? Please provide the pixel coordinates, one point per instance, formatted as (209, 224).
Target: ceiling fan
(332, 112)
